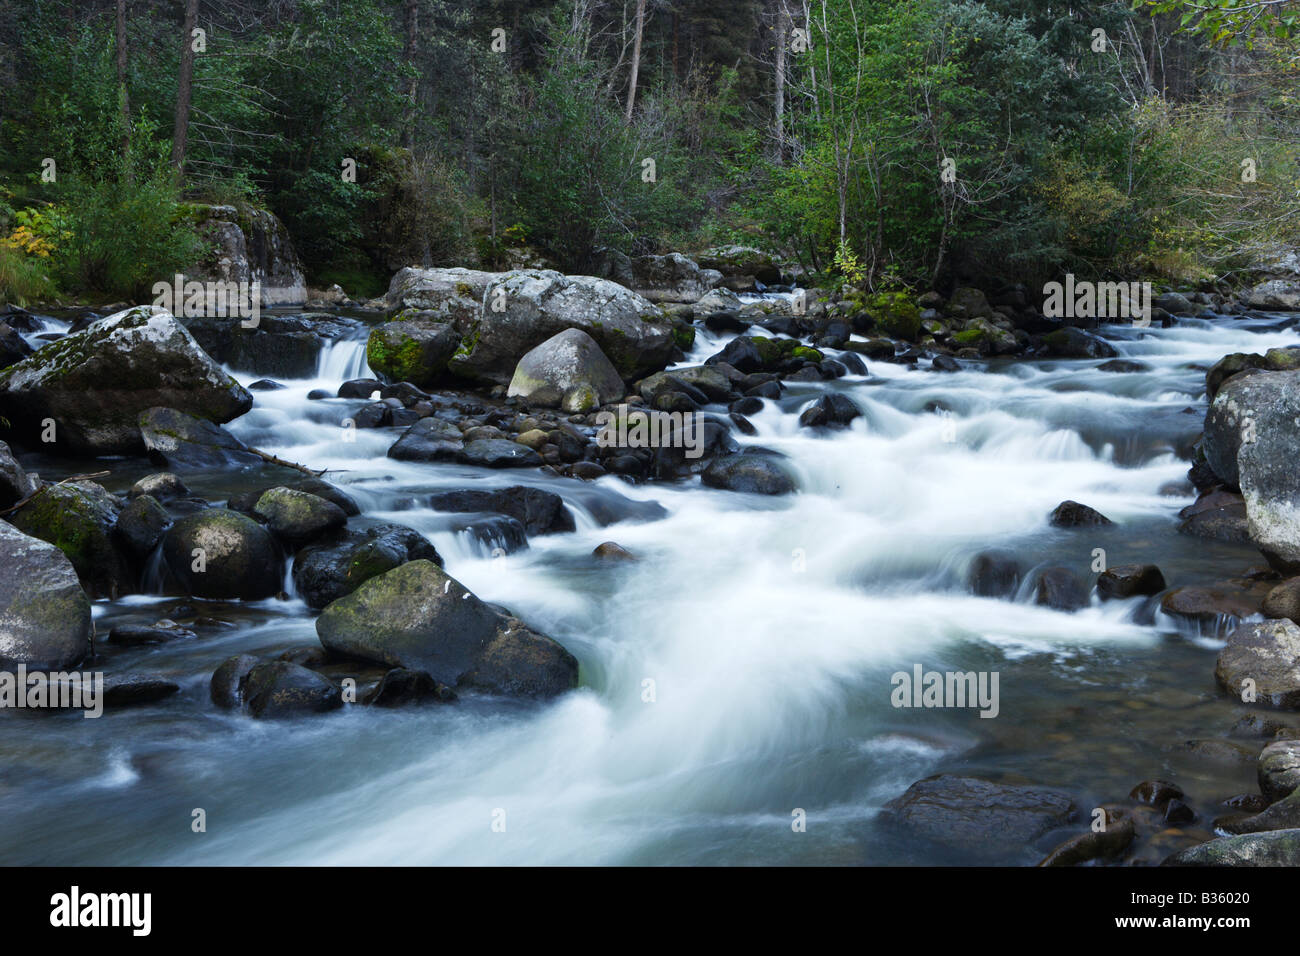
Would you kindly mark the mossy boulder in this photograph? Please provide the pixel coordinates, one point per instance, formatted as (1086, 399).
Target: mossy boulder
(419, 618)
(222, 554)
(414, 347)
(297, 517)
(94, 384)
(895, 314)
(78, 519)
(44, 614)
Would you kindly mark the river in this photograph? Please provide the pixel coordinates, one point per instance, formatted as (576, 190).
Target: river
(735, 675)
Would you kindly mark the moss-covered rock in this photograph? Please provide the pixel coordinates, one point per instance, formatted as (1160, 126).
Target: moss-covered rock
(93, 385)
(895, 314)
(418, 617)
(298, 517)
(44, 614)
(78, 519)
(415, 347)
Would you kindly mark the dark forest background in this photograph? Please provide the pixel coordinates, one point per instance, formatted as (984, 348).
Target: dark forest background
(888, 144)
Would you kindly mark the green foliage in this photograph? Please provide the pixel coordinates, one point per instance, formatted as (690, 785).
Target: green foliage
(23, 279)
(126, 232)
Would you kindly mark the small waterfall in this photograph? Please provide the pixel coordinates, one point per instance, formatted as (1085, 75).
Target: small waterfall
(343, 359)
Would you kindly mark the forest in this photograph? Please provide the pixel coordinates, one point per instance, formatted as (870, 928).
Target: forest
(891, 145)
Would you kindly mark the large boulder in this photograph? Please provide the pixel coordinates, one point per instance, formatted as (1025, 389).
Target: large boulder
(1070, 342)
(335, 567)
(499, 316)
(429, 439)
(568, 371)
(79, 518)
(1258, 414)
(95, 384)
(250, 245)
(736, 261)
(419, 618)
(1236, 416)
(670, 278)
(1268, 655)
(182, 442)
(44, 615)
(222, 554)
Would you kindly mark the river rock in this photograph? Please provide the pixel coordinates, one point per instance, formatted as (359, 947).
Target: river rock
(429, 439)
(733, 261)
(994, 574)
(1218, 515)
(978, 814)
(15, 483)
(1108, 844)
(499, 316)
(331, 569)
(95, 384)
(1060, 589)
(1071, 514)
(538, 510)
(414, 347)
(298, 517)
(832, 410)
(567, 371)
(1156, 793)
(1266, 408)
(44, 614)
(162, 487)
(182, 442)
(1279, 769)
(668, 278)
(704, 383)
(237, 557)
(1283, 601)
(1267, 654)
(756, 474)
(1070, 342)
(1278, 848)
(498, 453)
(265, 688)
(78, 518)
(419, 618)
(1128, 580)
(1210, 603)
(399, 687)
(141, 525)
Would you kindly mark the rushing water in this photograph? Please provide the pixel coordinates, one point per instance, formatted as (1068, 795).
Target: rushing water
(769, 628)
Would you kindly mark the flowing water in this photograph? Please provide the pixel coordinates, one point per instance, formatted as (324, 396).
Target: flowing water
(739, 672)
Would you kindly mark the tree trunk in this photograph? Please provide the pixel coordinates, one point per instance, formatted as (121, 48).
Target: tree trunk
(782, 43)
(184, 90)
(412, 48)
(123, 96)
(636, 57)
